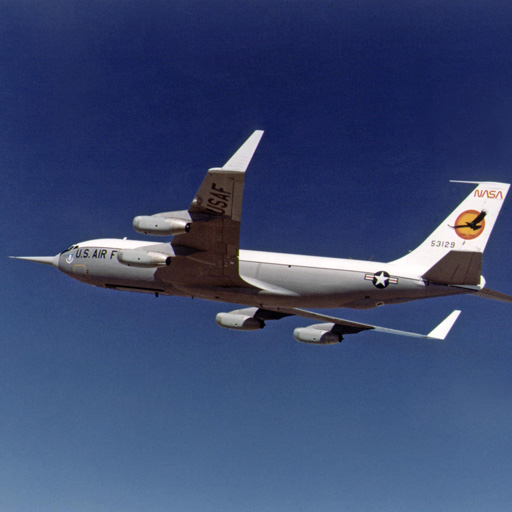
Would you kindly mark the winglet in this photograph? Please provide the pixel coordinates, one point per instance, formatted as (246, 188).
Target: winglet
(442, 330)
(241, 159)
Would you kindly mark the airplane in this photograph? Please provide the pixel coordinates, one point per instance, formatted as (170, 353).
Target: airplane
(203, 260)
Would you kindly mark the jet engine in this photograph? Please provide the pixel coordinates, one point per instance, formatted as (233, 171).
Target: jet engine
(140, 258)
(316, 335)
(239, 322)
(160, 226)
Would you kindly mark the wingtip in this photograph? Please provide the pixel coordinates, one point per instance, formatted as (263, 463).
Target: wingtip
(442, 330)
(241, 159)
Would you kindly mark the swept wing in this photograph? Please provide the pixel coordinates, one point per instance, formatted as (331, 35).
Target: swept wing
(211, 244)
(331, 330)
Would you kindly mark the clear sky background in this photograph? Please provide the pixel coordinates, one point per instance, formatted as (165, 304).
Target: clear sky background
(115, 401)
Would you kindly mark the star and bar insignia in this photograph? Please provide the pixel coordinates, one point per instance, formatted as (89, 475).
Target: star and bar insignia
(381, 279)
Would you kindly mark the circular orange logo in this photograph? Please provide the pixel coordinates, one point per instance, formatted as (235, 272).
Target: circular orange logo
(470, 224)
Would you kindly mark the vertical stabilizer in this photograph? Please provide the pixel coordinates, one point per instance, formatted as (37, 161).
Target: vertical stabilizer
(452, 254)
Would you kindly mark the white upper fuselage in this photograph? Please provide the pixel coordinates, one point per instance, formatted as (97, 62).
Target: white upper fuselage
(273, 279)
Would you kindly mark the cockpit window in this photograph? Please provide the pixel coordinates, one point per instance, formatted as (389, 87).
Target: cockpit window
(70, 249)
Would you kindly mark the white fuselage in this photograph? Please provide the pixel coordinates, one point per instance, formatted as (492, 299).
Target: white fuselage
(272, 279)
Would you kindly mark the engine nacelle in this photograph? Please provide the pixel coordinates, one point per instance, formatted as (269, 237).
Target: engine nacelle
(316, 336)
(239, 322)
(160, 226)
(140, 258)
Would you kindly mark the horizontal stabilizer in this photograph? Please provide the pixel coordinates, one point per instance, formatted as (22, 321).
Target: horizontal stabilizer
(486, 293)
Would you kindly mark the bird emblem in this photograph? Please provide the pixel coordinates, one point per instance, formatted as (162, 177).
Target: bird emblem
(470, 224)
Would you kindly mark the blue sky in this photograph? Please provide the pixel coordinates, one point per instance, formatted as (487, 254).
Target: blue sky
(118, 401)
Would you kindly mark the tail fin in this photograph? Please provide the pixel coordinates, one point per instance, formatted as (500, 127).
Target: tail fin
(452, 254)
